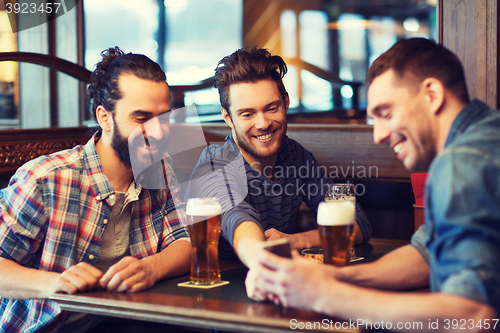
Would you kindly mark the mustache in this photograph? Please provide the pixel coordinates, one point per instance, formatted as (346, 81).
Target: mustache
(146, 140)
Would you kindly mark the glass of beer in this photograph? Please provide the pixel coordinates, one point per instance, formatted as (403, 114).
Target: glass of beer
(204, 228)
(336, 218)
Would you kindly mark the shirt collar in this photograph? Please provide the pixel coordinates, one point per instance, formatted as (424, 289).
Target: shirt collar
(473, 112)
(100, 183)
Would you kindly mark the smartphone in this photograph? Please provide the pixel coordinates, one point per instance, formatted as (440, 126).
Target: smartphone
(280, 247)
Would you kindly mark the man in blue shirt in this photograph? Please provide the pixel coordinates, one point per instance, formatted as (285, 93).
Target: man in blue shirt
(418, 99)
(260, 175)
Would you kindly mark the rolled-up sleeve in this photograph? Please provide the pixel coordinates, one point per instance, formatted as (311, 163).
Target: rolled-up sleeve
(22, 218)
(418, 242)
(463, 199)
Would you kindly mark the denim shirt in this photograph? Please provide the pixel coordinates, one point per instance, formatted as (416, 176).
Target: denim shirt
(461, 236)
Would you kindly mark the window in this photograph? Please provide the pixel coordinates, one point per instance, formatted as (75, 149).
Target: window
(342, 39)
(194, 36)
(9, 99)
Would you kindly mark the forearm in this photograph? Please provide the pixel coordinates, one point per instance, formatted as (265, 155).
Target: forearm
(18, 282)
(404, 268)
(174, 260)
(247, 236)
(418, 309)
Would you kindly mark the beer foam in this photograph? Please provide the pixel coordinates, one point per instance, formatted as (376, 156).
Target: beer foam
(337, 212)
(200, 207)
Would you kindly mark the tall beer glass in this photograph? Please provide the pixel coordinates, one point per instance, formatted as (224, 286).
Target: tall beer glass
(336, 218)
(204, 228)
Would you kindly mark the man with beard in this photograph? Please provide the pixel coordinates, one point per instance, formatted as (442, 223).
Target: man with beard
(264, 204)
(77, 220)
(418, 99)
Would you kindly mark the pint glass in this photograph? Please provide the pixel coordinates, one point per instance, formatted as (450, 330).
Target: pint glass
(336, 218)
(204, 228)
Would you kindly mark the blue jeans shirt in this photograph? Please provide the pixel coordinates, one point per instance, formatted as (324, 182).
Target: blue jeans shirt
(461, 236)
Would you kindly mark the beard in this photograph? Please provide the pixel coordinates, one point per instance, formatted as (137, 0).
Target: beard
(245, 144)
(120, 146)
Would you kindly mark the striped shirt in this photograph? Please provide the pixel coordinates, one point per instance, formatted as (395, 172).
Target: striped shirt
(246, 195)
(53, 214)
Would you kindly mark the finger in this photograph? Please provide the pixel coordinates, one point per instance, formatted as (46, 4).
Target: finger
(256, 294)
(125, 278)
(272, 288)
(250, 283)
(296, 254)
(259, 295)
(79, 281)
(86, 272)
(269, 232)
(89, 273)
(115, 270)
(274, 236)
(275, 299)
(133, 283)
(89, 269)
(63, 286)
(138, 287)
(266, 281)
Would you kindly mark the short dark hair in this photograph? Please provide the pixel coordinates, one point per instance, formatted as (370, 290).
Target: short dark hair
(103, 89)
(422, 58)
(248, 66)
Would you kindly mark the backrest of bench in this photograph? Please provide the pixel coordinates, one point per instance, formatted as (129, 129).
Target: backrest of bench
(342, 149)
(347, 152)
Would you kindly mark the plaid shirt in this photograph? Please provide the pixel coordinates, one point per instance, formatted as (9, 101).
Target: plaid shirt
(52, 216)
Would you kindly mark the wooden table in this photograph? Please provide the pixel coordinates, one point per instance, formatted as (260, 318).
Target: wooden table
(224, 308)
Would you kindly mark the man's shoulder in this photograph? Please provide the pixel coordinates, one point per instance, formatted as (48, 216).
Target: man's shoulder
(291, 144)
(482, 138)
(216, 152)
(46, 164)
(292, 152)
(473, 153)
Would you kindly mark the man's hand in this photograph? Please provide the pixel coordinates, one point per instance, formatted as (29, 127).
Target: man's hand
(251, 285)
(274, 234)
(79, 277)
(296, 282)
(297, 241)
(129, 275)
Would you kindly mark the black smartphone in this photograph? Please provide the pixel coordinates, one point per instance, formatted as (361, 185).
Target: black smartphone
(279, 247)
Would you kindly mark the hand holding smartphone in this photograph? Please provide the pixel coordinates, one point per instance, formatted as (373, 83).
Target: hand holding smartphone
(280, 247)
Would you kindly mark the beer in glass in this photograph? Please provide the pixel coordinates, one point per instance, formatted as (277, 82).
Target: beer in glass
(204, 228)
(336, 218)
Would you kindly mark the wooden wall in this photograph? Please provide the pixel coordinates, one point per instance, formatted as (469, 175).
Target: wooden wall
(470, 29)
(339, 148)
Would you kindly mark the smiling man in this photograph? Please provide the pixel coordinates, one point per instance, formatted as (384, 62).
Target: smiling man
(418, 99)
(77, 220)
(260, 197)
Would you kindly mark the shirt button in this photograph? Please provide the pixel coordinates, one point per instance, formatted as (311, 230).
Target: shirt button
(98, 197)
(91, 257)
(105, 221)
